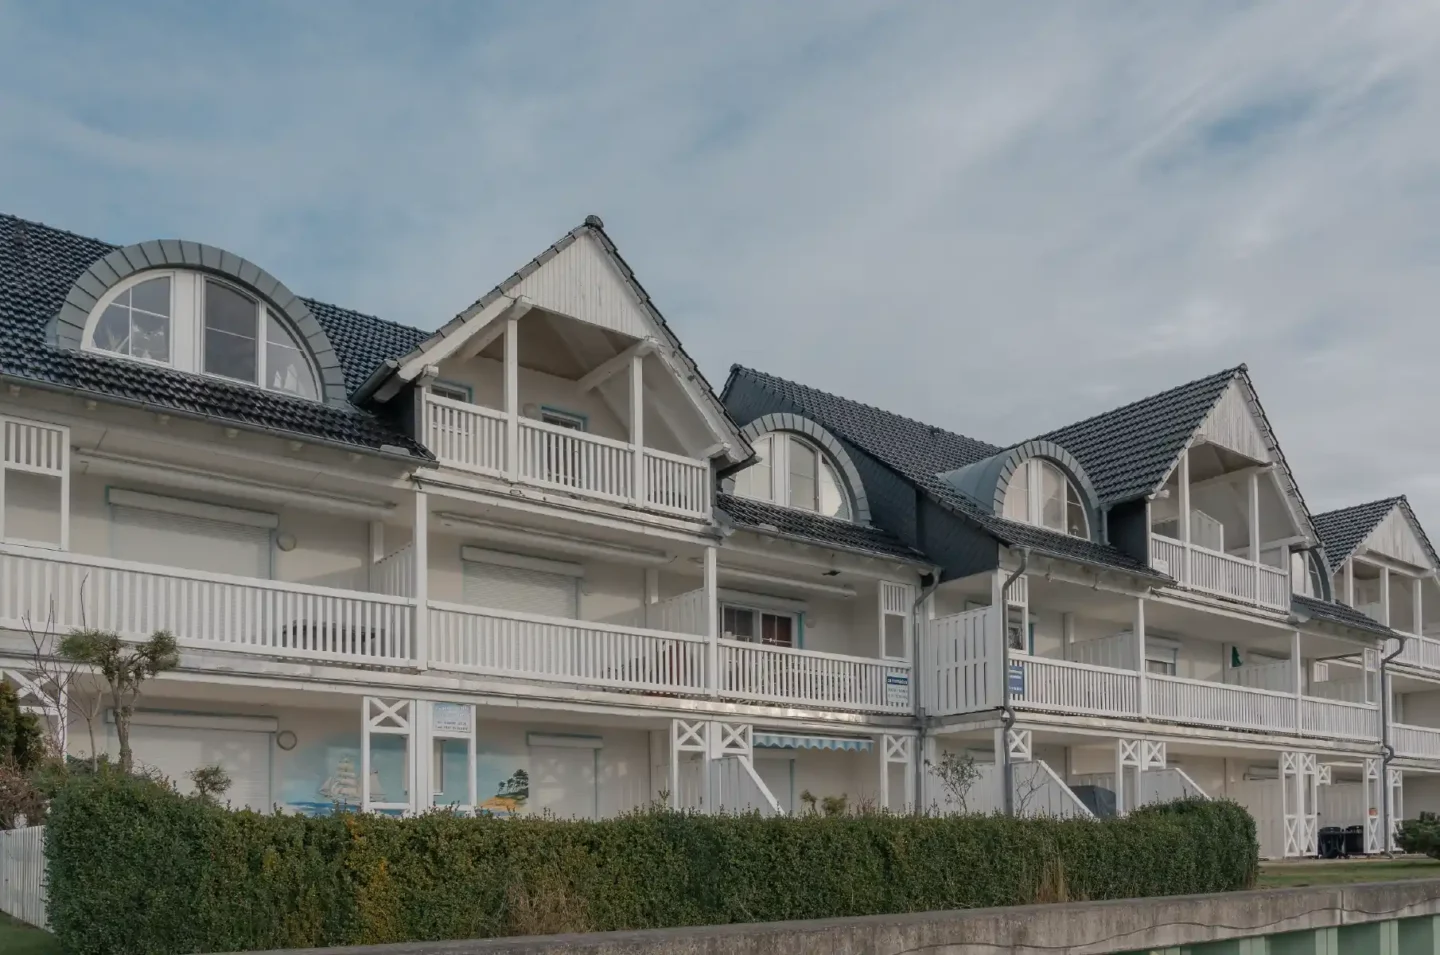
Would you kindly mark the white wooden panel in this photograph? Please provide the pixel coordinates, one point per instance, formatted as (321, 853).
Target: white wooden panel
(1231, 424)
(779, 777)
(1116, 650)
(193, 543)
(1394, 537)
(583, 283)
(963, 653)
(1342, 804)
(1262, 798)
(524, 591)
(176, 750)
(22, 874)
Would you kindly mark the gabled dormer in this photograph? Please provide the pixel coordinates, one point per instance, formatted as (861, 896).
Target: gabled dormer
(566, 377)
(1381, 563)
(1193, 481)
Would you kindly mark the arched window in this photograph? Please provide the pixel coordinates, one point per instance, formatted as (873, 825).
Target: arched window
(790, 470)
(193, 322)
(1040, 493)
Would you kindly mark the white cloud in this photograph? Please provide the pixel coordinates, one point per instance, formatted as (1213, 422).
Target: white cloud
(997, 218)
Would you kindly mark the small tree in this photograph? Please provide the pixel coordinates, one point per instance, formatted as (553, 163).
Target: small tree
(956, 775)
(22, 743)
(211, 782)
(125, 666)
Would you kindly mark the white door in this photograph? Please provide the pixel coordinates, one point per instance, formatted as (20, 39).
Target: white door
(176, 750)
(778, 775)
(521, 590)
(562, 780)
(194, 543)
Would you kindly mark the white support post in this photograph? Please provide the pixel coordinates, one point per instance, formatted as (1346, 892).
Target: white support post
(1385, 595)
(1349, 582)
(1418, 608)
(1184, 507)
(64, 490)
(637, 425)
(420, 554)
(652, 595)
(1139, 628)
(377, 552)
(1253, 508)
(1067, 633)
(1005, 794)
(512, 398)
(1297, 674)
(712, 621)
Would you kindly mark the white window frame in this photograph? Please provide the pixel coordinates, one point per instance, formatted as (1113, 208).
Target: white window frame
(760, 612)
(779, 463)
(560, 418)
(452, 391)
(1034, 500)
(1162, 650)
(187, 329)
(40, 448)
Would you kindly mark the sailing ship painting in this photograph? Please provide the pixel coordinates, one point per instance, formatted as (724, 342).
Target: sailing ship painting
(340, 790)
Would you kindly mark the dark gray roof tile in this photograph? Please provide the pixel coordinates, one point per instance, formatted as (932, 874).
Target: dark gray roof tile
(814, 528)
(40, 264)
(1344, 529)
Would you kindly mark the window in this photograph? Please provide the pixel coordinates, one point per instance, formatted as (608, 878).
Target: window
(137, 323)
(750, 625)
(1162, 657)
(194, 323)
(1040, 493)
(754, 482)
(564, 419)
(450, 391)
(792, 471)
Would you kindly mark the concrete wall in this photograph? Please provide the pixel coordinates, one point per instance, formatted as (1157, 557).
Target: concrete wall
(1358, 919)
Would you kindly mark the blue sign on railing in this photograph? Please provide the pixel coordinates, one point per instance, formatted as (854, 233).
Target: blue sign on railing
(1017, 679)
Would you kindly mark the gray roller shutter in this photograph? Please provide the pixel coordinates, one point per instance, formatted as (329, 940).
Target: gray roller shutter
(194, 543)
(521, 590)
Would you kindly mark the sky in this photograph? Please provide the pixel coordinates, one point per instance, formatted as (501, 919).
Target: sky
(997, 218)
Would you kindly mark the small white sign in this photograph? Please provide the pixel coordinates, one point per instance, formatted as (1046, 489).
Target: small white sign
(452, 718)
(897, 689)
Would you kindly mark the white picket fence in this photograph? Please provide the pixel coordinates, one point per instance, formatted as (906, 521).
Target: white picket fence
(22, 874)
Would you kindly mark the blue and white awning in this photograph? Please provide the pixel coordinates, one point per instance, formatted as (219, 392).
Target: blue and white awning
(793, 741)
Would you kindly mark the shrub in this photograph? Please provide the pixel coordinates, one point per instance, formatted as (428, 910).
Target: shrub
(134, 867)
(1420, 835)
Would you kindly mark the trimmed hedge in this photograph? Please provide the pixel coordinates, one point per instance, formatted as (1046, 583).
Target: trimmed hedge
(135, 868)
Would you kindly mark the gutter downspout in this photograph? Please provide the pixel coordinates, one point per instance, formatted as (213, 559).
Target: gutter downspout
(917, 635)
(1007, 712)
(1387, 751)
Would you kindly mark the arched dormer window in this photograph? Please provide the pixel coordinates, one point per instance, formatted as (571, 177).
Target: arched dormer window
(1041, 493)
(797, 473)
(194, 322)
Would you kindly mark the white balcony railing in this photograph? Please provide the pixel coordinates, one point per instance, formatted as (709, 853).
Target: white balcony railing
(552, 649)
(1339, 720)
(756, 671)
(472, 438)
(1418, 742)
(1219, 704)
(1221, 574)
(62, 591)
(1418, 651)
(1077, 687)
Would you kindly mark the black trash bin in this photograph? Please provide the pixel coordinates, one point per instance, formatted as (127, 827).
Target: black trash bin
(1354, 840)
(1331, 842)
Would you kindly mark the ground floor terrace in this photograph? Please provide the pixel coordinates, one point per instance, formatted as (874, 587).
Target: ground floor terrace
(312, 749)
(1296, 790)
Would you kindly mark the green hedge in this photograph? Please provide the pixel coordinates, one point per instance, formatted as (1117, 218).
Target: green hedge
(135, 868)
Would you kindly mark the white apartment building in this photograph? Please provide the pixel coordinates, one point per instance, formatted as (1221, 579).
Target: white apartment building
(531, 562)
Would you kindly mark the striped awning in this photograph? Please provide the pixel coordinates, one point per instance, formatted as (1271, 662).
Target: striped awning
(794, 741)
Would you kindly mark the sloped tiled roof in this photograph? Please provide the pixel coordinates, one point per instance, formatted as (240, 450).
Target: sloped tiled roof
(920, 453)
(38, 265)
(802, 525)
(1339, 613)
(592, 226)
(1128, 452)
(910, 447)
(1344, 529)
